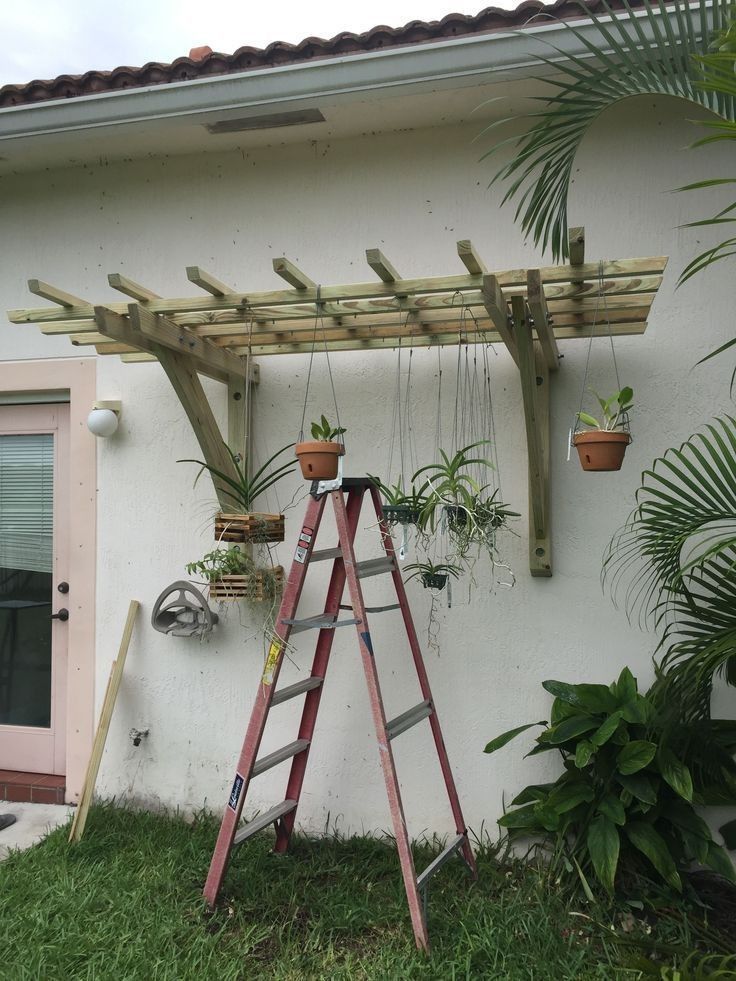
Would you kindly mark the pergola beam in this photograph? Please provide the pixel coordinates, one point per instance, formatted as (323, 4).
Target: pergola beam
(132, 289)
(39, 288)
(207, 282)
(540, 314)
(215, 361)
(287, 270)
(381, 266)
(497, 308)
(470, 258)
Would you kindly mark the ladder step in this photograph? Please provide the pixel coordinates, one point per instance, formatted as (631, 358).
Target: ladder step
(321, 554)
(408, 719)
(263, 821)
(437, 864)
(374, 567)
(319, 622)
(298, 746)
(291, 691)
(376, 609)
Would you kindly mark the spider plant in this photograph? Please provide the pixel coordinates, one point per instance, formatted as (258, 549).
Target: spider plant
(246, 488)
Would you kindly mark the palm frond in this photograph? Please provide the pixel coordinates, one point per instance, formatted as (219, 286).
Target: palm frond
(674, 564)
(639, 52)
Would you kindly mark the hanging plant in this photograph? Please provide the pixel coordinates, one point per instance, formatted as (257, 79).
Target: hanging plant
(231, 574)
(603, 445)
(400, 506)
(318, 458)
(242, 524)
(433, 575)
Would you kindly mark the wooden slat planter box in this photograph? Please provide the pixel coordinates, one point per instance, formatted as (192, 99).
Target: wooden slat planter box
(254, 527)
(258, 586)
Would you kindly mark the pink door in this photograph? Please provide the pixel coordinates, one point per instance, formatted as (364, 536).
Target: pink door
(34, 488)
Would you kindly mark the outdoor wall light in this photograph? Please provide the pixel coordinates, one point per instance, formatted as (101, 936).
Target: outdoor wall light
(104, 418)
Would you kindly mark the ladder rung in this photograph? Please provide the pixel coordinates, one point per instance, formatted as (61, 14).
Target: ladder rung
(374, 567)
(437, 864)
(326, 553)
(376, 609)
(319, 622)
(263, 820)
(291, 691)
(408, 719)
(298, 746)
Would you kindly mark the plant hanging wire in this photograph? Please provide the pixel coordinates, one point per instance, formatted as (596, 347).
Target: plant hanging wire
(601, 298)
(320, 321)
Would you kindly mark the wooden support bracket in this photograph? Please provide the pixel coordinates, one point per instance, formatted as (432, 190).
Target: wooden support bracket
(534, 373)
(210, 359)
(540, 315)
(497, 308)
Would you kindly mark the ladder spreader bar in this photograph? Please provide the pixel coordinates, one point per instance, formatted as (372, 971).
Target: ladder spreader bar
(408, 719)
(437, 864)
(291, 691)
(318, 622)
(374, 567)
(320, 554)
(298, 746)
(263, 821)
(375, 609)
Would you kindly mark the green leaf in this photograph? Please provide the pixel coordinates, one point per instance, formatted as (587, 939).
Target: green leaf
(567, 796)
(533, 793)
(625, 689)
(675, 773)
(603, 847)
(606, 730)
(547, 816)
(589, 420)
(595, 699)
(635, 756)
(570, 728)
(561, 710)
(728, 830)
(613, 809)
(643, 837)
(507, 736)
(523, 817)
(583, 753)
(720, 861)
(636, 711)
(639, 786)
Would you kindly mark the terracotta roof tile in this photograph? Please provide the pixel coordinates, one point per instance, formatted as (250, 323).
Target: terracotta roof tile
(203, 62)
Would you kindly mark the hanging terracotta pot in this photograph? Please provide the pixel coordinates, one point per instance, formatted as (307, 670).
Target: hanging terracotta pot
(601, 450)
(318, 459)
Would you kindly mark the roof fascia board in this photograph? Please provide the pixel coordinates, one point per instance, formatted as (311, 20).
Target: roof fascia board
(477, 58)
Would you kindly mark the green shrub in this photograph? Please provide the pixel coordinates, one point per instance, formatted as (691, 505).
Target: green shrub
(624, 795)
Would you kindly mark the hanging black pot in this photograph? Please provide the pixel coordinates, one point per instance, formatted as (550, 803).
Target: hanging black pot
(402, 514)
(434, 580)
(457, 516)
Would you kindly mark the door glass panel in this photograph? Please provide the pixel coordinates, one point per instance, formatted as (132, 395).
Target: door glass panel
(26, 557)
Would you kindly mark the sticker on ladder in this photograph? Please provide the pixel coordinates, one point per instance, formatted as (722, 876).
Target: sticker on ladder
(272, 658)
(305, 540)
(236, 792)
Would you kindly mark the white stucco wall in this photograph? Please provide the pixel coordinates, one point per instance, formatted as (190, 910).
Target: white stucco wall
(413, 195)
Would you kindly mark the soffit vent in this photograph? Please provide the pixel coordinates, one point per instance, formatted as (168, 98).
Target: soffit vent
(271, 120)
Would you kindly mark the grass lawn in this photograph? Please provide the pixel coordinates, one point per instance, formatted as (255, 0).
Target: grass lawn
(125, 904)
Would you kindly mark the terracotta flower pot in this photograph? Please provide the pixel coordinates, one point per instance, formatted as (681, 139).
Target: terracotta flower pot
(318, 460)
(599, 450)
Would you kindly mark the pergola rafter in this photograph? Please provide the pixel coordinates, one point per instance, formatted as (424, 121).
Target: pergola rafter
(218, 332)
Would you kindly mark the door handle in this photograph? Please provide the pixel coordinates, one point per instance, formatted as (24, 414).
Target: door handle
(62, 615)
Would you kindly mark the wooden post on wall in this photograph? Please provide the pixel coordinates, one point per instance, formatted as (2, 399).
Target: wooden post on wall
(534, 373)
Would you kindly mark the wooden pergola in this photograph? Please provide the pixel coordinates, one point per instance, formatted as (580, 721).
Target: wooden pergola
(220, 330)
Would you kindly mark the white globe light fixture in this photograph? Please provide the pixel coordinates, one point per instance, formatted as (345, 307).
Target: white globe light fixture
(104, 418)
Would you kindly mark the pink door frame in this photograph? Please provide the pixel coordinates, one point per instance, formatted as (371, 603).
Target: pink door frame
(31, 749)
(77, 376)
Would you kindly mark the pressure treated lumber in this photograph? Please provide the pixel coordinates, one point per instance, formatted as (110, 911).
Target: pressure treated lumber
(540, 314)
(160, 330)
(381, 266)
(131, 288)
(534, 387)
(207, 281)
(497, 308)
(49, 292)
(292, 274)
(103, 727)
(470, 258)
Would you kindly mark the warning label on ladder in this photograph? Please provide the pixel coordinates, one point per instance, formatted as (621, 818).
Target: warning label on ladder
(235, 792)
(305, 540)
(270, 666)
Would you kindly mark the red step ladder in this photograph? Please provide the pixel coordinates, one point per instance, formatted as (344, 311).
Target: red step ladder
(345, 568)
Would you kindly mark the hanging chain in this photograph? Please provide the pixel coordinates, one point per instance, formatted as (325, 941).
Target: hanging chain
(319, 318)
(601, 295)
